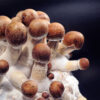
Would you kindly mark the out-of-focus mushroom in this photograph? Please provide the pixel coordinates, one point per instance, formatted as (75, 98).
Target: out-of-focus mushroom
(73, 40)
(16, 19)
(16, 36)
(4, 21)
(4, 67)
(19, 14)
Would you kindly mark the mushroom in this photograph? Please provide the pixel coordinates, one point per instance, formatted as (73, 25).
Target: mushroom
(16, 35)
(4, 21)
(28, 15)
(55, 35)
(16, 19)
(38, 30)
(41, 55)
(73, 40)
(45, 95)
(43, 15)
(4, 67)
(56, 89)
(19, 14)
(29, 88)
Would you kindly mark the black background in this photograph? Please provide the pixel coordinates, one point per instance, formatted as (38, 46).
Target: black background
(80, 15)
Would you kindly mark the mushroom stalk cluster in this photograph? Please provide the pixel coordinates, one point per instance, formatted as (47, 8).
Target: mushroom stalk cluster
(33, 58)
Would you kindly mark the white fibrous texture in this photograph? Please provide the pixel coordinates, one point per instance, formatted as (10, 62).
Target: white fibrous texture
(33, 68)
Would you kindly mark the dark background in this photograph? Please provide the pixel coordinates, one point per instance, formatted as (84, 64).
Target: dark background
(80, 15)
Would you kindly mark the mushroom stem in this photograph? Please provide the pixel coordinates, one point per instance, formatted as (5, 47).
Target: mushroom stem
(11, 54)
(1, 78)
(39, 71)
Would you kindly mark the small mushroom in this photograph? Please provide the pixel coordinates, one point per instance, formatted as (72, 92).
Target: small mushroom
(56, 89)
(45, 95)
(29, 88)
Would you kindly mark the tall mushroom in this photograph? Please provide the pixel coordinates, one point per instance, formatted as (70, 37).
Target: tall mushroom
(41, 55)
(16, 35)
(4, 21)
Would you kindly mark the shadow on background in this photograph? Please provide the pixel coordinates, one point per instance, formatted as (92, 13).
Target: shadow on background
(80, 15)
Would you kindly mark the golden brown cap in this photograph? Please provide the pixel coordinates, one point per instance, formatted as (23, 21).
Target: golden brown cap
(28, 15)
(41, 52)
(4, 66)
(29, 88)
(19, 14)
(84, 63)
(56, 89)
(16, 33)
(15, 19)
(4, 21)
(56, 31)
(38, 28)
(74, 38)
(43, 15)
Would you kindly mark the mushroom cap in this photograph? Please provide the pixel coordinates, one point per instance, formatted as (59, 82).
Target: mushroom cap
(19, 14)
(4, 21)
(38, 28)
(16, 33)
(41, 53)
(16, 19)
(43, 15)
(45, 95)
(50, 76)
(29, 88)
(56, 89)
(28, 15)
(74, 38)
(4, 66)
(56, 31)
(84, 63)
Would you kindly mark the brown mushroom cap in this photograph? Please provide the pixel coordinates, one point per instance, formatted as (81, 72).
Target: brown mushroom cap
(43, 15)
(74, 38)
(56, 31)
(28, 15)
(38, 28)
(41, 52)
(45, 95)
(19, 14)
(56, 89)
(84, 63)
(4, 66)
(15, 19)
(16, 33)
(29, 88)
(4, 21)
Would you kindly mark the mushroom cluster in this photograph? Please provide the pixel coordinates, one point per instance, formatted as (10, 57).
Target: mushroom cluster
(34, 58)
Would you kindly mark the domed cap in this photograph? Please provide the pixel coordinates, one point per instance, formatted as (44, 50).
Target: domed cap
(16, 33)
(43, 15)
(4, 66)
(38, 28)
(19, 14)
(15, 19)
(41, 52)
(56, 89)
(28, 15)
(4, 21)
(84, 63)
(56, 31)
(74, 38)
(29, 88)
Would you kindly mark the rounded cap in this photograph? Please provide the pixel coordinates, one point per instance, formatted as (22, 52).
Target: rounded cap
(19, 14)
(4, 66)
(29, 88)
(56, 89)
(45, 95)
(56, 31)
(16, 33)
(38, 28)
(74, 38)
(50, 76)
(41, 98)
(15, 19)
(41, 52)
(28, 15)
(43, 15)
(4, 21)
(84, 63)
